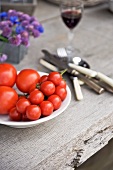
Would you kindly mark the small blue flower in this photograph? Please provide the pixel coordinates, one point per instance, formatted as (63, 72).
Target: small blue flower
(40, 28)
(16, 27)
(14, 19)
(3, 14)
(19, 29)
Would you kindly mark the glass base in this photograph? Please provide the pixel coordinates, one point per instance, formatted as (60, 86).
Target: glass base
(72, 52)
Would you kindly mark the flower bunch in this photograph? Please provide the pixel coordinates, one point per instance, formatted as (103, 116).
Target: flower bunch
(16, 27)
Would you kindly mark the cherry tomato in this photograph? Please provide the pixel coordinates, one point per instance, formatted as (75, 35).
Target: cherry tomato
(61, 92)
(36, 96)
(26, 78)
(8, 74)
(33, 112)
(63, 83)
(14, 114)
(55, 77)
(55, 100)
(43, 78)
(46, 108)
(47, 88)
(22, 104)
(8, 99)
(24, 117)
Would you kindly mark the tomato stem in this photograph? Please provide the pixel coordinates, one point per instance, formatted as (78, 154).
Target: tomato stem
(23, 95)
(63, 71)
(38, 86)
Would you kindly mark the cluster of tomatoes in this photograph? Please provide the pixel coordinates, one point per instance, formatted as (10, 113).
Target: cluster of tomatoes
(40, 95)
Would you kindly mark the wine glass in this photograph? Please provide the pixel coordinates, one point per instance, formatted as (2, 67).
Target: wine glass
(71, 14)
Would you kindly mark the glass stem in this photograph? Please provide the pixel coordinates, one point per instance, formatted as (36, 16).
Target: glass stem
(70, 39)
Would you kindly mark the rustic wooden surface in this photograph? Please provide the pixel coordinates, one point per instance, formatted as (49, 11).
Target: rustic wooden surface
(85, 126)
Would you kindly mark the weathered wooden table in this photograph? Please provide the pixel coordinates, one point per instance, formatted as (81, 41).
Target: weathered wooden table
(86, 126)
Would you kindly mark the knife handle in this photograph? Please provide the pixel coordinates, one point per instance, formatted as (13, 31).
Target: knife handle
(48, 65)
(92, 84)
(83, 70)
(107, 87)
(98, 89)
(77, 88)
(105, 79)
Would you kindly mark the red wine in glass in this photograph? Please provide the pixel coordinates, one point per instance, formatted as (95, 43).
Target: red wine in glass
(71, 14)
(71, 18)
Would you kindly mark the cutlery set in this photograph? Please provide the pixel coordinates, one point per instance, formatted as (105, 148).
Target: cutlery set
(79, 72)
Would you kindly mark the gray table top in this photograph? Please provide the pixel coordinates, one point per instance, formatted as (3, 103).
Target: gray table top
(85, 126)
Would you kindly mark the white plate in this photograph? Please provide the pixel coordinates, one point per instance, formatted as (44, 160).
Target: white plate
(4, 119)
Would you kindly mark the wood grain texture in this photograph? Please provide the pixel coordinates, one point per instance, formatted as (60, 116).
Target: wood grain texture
(85, 126)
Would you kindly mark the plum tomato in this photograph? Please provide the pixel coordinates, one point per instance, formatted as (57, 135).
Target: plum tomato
(61, 92)
(14, 114)
(33, 112)
(46, 108)
(47, 88)
(22, 104)
(55, 100)
(36, 97)
(43, 78)
(8, 74)
(8, 99)
(55, 77)
(26, 78)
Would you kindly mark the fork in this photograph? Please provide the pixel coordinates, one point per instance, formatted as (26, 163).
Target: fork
(76, 60)
(62, 52)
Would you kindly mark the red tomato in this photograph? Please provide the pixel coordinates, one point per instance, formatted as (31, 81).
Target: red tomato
(55, 100)
(63, 83)
(8, 99)
(33, 112)
(47, 88)
(24, 117)
(61, 92)
(55, 77)
(46, 108)
(32, 87)
(36, 96)
(26, 78)
(14, 114)
(22, 104)
(43, 78)
(8, 74)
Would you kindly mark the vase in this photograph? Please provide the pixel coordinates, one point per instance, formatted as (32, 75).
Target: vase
(26, 6)
(14, 53)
